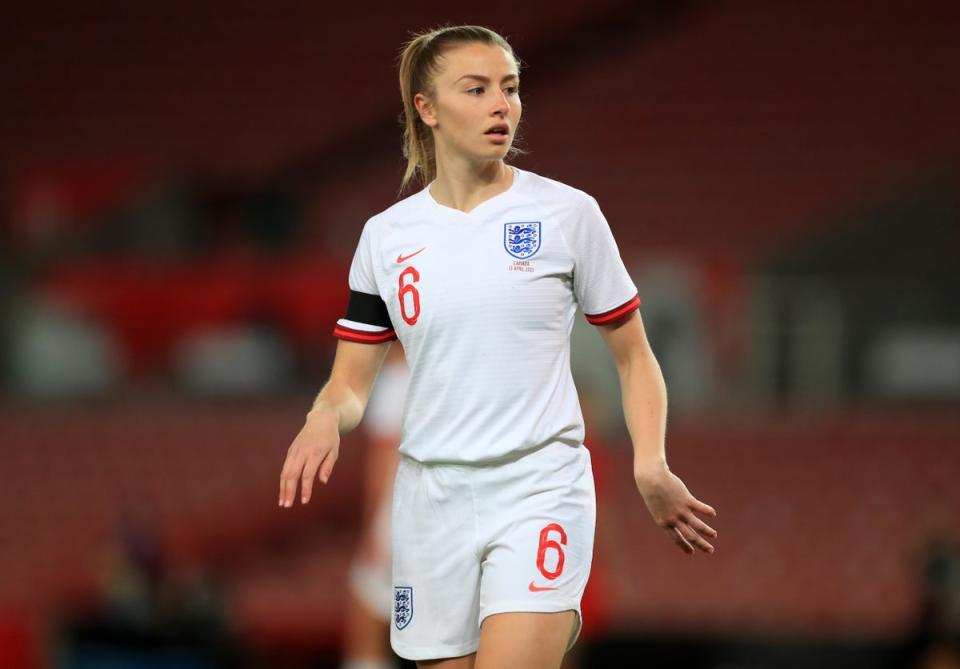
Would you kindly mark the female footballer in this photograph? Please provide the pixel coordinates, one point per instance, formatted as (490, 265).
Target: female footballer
(479, 275)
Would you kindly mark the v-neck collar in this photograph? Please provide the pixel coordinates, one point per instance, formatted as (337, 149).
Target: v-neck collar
(513, 185)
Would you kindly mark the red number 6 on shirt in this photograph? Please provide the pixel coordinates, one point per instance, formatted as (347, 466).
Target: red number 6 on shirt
(546, 544)
(409, 288)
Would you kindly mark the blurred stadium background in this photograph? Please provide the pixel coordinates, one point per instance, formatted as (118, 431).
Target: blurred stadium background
(182, 187)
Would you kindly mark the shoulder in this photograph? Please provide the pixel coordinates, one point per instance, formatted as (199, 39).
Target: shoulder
(410, 208)
(548, 190)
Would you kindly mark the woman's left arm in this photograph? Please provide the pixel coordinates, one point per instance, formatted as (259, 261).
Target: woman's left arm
(644, 397)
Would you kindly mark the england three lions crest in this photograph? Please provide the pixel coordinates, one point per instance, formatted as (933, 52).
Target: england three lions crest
(521, 240)
(402, 605)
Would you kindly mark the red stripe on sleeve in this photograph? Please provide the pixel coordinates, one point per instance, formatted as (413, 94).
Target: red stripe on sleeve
(361, 337)
(615, 314)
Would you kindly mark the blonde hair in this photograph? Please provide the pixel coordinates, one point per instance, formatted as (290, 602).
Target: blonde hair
(418, 66)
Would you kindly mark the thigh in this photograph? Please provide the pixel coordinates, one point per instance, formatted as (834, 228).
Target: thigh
(525, 640)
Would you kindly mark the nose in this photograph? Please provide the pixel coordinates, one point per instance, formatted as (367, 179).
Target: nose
(501, 103)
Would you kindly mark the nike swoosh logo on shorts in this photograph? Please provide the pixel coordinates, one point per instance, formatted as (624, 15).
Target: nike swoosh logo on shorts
(537, 588)
(401, 259)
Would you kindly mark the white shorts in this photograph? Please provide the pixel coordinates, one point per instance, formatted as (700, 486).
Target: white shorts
(470, 541)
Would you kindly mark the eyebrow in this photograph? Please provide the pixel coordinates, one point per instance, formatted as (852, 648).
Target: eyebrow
(486, 80)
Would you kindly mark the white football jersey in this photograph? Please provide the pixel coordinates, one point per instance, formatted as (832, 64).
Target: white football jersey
(483, 303)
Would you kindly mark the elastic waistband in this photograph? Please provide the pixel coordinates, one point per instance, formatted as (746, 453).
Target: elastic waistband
(550, 446)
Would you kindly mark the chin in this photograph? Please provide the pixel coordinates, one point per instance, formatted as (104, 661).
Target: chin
(499, 152)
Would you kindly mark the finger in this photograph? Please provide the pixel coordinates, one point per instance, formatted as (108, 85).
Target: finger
(692, 537)
(681, 541)
(289, 490)
(701, 527)
(283, 486)
(307, 478)
(326, 469)
(288, 485)
(700, 507)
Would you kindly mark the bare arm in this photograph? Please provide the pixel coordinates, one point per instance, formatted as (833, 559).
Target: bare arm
(337, 409)
(644, 397)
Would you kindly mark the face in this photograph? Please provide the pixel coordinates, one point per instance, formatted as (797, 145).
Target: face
(475, 107)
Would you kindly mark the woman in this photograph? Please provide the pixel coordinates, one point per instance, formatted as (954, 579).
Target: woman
(479, 274)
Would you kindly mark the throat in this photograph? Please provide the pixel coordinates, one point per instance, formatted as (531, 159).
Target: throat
(466, 194)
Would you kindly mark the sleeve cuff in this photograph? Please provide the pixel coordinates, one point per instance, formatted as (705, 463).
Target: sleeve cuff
(616, 314)
(362, 336)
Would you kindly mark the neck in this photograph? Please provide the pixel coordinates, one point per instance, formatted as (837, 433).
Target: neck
(461, 184)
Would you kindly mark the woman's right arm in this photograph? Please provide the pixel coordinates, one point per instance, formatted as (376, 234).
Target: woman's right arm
(338, 409)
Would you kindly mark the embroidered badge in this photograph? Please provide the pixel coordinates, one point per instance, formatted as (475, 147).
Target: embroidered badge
(521, 240)
(402, 605)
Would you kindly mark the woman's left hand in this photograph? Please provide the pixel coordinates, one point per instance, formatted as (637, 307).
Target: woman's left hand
(675, 510)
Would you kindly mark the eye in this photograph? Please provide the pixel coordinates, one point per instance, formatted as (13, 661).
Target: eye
(512, 90)
(476, 91)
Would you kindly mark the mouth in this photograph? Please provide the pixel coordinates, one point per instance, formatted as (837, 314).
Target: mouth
(500, 130)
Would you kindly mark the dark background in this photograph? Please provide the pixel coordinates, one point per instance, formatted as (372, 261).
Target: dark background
(182, 186)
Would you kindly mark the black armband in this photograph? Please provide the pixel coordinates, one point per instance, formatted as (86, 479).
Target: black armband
(368, 309)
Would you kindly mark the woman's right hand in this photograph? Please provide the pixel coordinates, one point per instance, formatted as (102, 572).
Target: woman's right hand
(312, 454)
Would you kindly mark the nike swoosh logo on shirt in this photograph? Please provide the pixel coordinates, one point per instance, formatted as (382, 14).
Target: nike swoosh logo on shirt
(537, 588)
(401, 259)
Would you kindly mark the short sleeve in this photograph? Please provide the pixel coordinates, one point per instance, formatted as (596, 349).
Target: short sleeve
(362, 277)
(601, 284)
(367, 320)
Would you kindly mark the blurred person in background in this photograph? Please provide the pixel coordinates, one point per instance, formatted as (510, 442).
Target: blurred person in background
(935, 639)
(370, 604)
(147, 606)
(479, 274)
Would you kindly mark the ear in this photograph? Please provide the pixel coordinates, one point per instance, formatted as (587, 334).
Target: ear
(425, 108)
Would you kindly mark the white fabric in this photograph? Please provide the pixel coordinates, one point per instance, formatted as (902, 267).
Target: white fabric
(384, 414)
(489, 349)
(467, 540)
(370, 579)
(365, 327)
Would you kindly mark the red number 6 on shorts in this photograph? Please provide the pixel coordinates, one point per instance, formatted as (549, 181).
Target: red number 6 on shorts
(546, 543)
